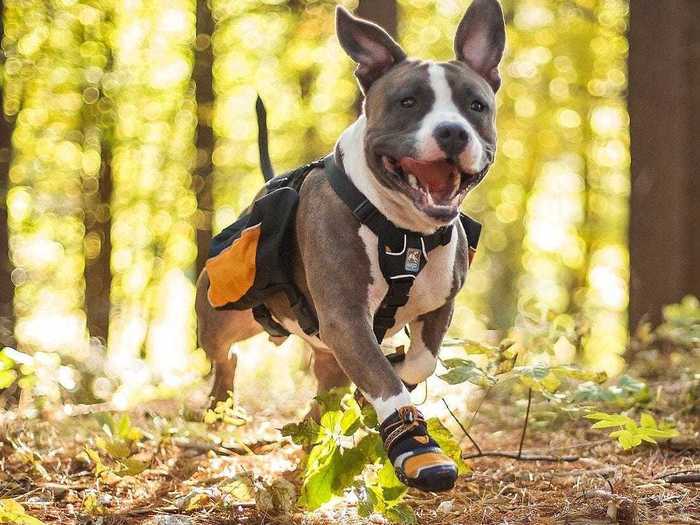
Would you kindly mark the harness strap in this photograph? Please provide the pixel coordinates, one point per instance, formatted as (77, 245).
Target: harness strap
(402, 253)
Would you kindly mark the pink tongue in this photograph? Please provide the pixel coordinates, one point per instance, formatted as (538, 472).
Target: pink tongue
(434, 176)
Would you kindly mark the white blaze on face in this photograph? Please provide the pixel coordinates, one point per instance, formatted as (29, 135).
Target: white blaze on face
(472, 159)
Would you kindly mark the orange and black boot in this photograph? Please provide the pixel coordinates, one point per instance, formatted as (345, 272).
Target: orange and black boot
(418, 460)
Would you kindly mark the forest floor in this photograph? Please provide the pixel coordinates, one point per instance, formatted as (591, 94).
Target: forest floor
(189, 469)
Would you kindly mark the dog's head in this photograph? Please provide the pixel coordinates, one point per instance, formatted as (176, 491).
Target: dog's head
(430, 132)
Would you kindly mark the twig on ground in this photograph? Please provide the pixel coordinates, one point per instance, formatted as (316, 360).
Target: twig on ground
(673, 472)
(206, 447)
(510, 455)
(466, 433)
(683, 478)
(520, 456)
(525, 423)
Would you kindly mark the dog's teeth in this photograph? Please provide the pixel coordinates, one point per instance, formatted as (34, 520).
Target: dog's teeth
(412, 181)
(430, 198)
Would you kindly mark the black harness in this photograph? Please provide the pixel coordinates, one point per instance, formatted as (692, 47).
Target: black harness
(402, 253)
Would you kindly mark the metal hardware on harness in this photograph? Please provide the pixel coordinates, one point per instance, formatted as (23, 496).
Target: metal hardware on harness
(263, 316)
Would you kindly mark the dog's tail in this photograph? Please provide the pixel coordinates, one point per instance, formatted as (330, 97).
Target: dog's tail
(263, 144)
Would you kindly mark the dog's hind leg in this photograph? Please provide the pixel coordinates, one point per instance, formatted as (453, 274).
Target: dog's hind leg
(216, 332)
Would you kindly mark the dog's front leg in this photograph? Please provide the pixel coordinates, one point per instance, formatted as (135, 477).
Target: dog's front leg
(355, 347)
(416, 457)
(427, 333)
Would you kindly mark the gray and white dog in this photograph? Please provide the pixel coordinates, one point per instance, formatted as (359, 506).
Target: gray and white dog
(426, 137)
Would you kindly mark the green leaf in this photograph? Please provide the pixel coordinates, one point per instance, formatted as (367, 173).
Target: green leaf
(538, 377)
(14, 513)
(331, 401)
(392, 490)
(115, 448)
(627, 439)
(7, 377)
(305, 433)
(240, 488)
(609, 420)
(647, 421)
(448, 444)
(462, 370)
(95, 458)
(476, 348)
(321, 470)
(131, 467)
(353, 461)
(351, 420)
(369, 416)
(401, 513)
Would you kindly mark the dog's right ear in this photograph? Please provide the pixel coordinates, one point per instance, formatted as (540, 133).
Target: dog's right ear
(367, 44)
(481, 39)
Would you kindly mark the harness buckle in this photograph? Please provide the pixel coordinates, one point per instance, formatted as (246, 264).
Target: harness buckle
(364, 211)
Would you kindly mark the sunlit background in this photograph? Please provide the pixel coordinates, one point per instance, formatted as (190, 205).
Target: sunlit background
(104, 168)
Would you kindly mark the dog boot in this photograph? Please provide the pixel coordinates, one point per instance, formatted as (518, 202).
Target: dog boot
(418, 460)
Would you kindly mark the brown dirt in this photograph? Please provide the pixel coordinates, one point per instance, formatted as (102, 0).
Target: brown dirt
(41, 467)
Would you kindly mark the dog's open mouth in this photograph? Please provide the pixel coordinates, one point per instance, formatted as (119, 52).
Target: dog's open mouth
(436, 187)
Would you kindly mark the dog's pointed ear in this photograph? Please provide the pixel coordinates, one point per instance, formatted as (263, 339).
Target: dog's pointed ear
(481, 39)
(367, 44)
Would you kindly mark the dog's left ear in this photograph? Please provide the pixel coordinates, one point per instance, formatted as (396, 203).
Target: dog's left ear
(367, 44)
(481, 39)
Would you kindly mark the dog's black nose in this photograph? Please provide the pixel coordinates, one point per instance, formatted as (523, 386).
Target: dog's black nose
(452, 138)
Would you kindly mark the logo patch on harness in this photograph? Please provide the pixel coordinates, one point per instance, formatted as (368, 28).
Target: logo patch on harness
(413, 260)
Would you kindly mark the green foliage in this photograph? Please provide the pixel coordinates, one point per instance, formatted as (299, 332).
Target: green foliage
(118, 446)
(227, 413)
(631, 434)
(681, 324)
(13, 513)
(448, 444)
(16, 367)
(624, 393)
(347, 453)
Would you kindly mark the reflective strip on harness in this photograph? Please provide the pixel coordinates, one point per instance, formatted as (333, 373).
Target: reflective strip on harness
(232, 272)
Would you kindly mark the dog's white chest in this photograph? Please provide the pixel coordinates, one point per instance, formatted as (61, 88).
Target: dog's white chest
(432, 286)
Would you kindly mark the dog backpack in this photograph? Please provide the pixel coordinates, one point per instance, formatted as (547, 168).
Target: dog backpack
(251, 260)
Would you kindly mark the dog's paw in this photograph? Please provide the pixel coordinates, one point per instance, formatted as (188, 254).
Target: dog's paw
(418, 460)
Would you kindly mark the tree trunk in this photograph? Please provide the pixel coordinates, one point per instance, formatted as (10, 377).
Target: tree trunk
(204, 93)
(664, 104)
(6, 286)
(381, 12)
(98, 274)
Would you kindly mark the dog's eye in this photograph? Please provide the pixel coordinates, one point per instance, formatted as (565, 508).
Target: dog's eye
(408, 102)
(478, 106)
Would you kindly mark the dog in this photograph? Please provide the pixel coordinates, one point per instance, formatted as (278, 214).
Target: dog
(425, 138)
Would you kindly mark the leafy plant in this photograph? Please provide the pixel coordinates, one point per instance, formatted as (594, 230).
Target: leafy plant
(623, 394)
(347, 454)
(14, 513)
(16, 367)
(118, 446)
(227, 413)
(630, 434)
(681, 324)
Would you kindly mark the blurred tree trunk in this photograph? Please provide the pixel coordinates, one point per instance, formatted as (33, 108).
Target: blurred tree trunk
(6, 286)
(98, 275)
(100, 125)
(664, 104)
(204, 92)
(381, 12)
